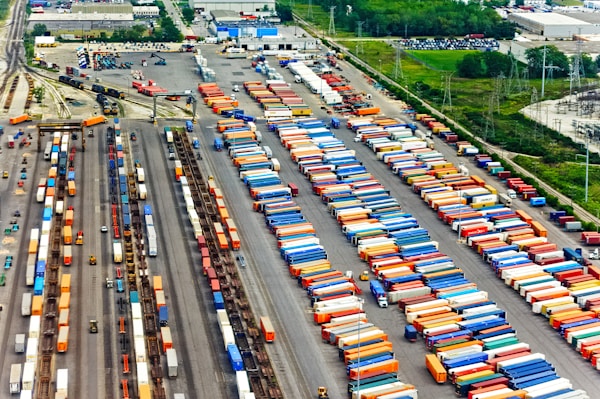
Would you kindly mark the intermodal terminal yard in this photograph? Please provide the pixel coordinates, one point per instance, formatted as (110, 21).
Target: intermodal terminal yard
(298, 360)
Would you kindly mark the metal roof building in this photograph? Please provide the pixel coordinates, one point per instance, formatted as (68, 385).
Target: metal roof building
(553, 25)
(246, 6)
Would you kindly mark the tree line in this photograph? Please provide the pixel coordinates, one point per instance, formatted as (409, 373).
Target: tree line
(490, 64)
(410, 18)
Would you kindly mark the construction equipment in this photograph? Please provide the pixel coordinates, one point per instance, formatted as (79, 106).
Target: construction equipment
(364, 276)
(161, 60)
(322, 393)
(93, 326)
(92, 260)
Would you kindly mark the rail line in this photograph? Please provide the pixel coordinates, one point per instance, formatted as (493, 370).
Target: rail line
(137, 273)
(256, 360)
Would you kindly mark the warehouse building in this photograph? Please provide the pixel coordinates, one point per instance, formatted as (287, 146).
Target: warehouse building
(146, 11)
(553, 25)
(238, 6)
(242, 29)
(76, 26)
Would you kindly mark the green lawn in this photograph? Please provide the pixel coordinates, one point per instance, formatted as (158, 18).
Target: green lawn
(443, 60)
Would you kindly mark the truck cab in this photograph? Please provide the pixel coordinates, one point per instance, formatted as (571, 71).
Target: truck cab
(379, 293)
(93, 327)
(79, 239)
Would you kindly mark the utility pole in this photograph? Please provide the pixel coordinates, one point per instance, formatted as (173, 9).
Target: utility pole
(309, 13)
(398, 65)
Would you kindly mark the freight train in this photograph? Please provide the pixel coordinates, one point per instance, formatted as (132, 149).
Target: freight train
(78, 84)
(108, 91)
(107, 107)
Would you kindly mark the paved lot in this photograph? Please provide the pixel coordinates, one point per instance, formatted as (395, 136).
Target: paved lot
(301, 360)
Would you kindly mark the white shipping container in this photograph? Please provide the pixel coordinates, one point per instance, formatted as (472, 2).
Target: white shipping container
(34, 326)
(228, 336)
(43, 253)
(183, 181)
(62, 381)
(26, 395)
(140, 349)
(32, 350)
(142, 193)
(189, 203)
(243, 385)
(142, 373)
(172, 362)
(28, 376)
(44, 240)
(222, 319)
(48, 202)
(136, 311)
(46, 226)
(138, 328)
(41, 194)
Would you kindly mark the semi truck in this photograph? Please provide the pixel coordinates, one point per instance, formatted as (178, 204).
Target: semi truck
(94, 120)
(15, 378)
(26, 304)
(379, 293)
(19, 119)
(20, 343)
(117, 252)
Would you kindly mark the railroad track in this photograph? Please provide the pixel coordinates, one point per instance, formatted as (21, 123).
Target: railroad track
(256, 361)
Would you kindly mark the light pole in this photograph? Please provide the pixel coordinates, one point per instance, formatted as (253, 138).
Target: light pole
(379, 67)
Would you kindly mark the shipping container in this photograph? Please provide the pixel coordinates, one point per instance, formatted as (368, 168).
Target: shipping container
(267, 329)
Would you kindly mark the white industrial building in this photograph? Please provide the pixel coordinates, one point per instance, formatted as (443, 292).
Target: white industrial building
(245, 6)
(146, 11)
(553, 25)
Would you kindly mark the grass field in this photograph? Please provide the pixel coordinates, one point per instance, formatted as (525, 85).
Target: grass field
(443, 60)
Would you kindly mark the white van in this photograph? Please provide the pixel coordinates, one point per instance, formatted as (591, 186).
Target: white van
(511, 194)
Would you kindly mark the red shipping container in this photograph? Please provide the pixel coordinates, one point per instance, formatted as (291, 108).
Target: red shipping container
(214, 285)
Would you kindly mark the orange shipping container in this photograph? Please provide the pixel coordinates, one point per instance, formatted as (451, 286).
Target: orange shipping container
(63, 318)
(65, 283)
(157, 283)
(438, 372)
(71, 187)
(62, 345)
(235, 240)
(388, 366)
(37, 305)
(539, 230)
(65, 300)
(33, 247)
(67, 235)
(267, 329)
(18, 119)
(223, 244)
(167, 340)
(215, 286)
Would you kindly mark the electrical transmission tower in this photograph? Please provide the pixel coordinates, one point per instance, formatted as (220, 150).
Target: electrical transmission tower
(489, 130)
(359, 44)
(309, 13)
(577, 72)
(447, 92)
(331, 30)
(398, 64)
(291, 3)
(514, 80)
